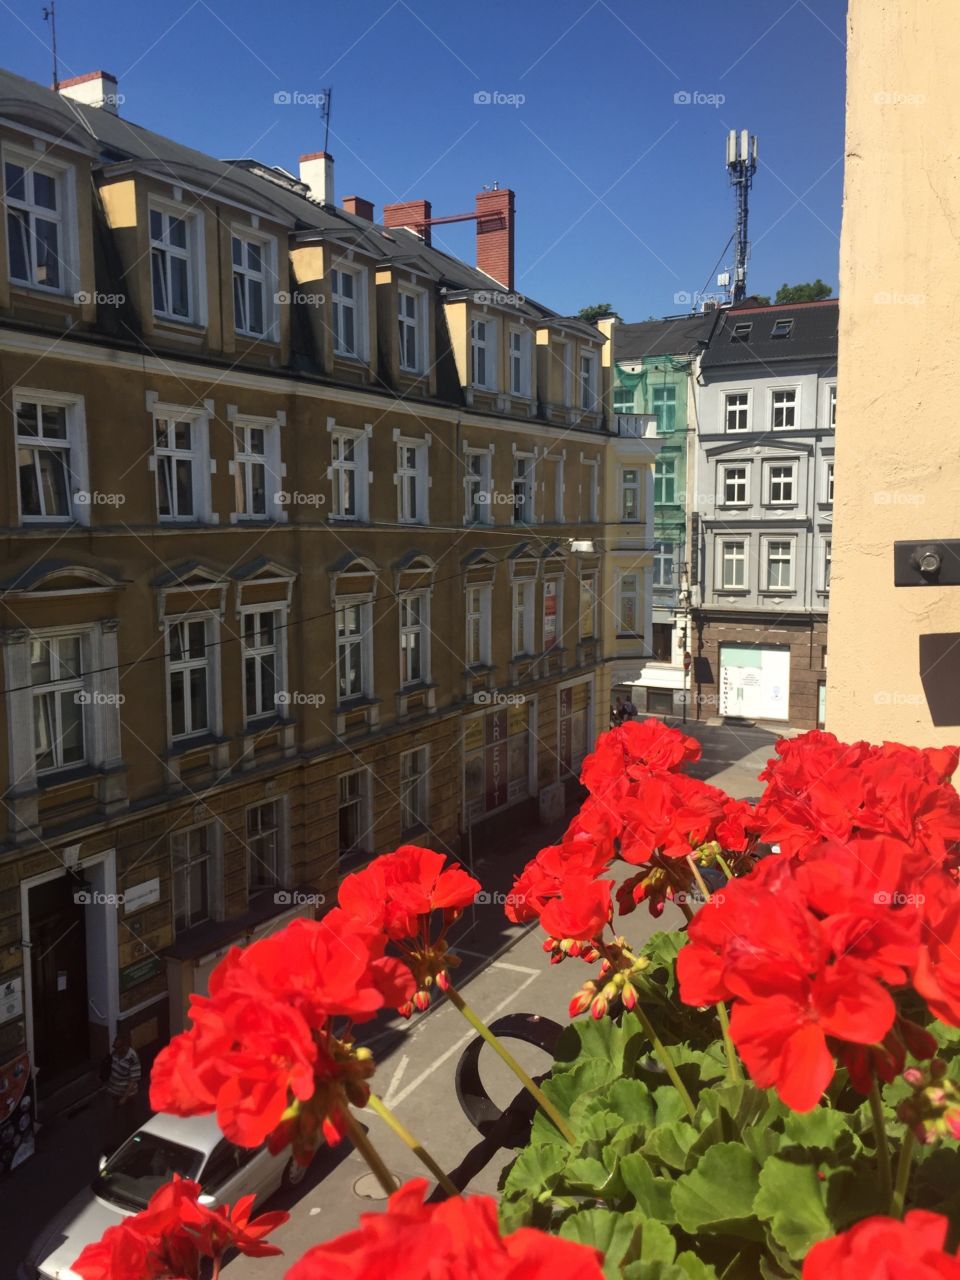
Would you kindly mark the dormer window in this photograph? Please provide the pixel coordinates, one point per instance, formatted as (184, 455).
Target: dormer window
(782, 329)
(346, 289)
(36, 195)
(410, 315)
(483, 354)
(588, 381)
(519, 362)
(174, 253)
(741, 332)
(252, 299)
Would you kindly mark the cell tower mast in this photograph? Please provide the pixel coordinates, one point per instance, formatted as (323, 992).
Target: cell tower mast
(741, 166)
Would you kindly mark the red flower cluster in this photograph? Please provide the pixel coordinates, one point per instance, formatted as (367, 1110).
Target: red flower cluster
(171, 1236)
(883, 1248)
(262, 1038)
(455, 1240)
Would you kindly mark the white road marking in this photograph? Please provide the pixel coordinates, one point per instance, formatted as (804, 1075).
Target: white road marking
(394, 1084)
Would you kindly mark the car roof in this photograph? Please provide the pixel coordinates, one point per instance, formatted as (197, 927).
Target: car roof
(202, 1133)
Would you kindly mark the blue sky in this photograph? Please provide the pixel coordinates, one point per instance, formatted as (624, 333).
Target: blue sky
(621, 191)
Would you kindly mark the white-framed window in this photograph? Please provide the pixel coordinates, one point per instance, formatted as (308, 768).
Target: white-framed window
(266, 840)
(566, 356)
(623, 399)
(191, 675)
(778, 564)
(588, 381)
(781, 329)
(733, 486)
(483, 353)
(663, 402)
(175, 256)
(826, 561)
(783, 403)
(524, 639)
(353, 621)
(736, 411)
(733, 564)
(262, 645)
(828, 482)
(631, 493)
(181, 464)
(412, 481)
(414, 609)
(479, 618)
(411, 318)
(353, 811)
(348, 312)
(629, 604)
(478, 480)
(194, 862)
(832, 405)
(591, 479)
(589, 607)
(741, 331)
(524, 470)
(51, 459)
(519, 362)
(257, 470)
(665, 479)
(254, 284)
(781, 484)
(663, 562)
(552, 613)
(59, 696)
(349, 474)
(414, 789)
(40, 202)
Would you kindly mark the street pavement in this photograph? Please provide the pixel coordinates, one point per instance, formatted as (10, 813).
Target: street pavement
(503, 971)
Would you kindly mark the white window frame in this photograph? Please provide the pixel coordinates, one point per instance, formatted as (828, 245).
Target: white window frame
(60, 685)
(669, 391)
(255, 653)
(724, 499)
(518, 353)
(198, 455)
(361, 638)
(357, 304)
(414, 631)
(415, 789)
(662, 558)
(620, 394)
(415, 477)
(661, 476)
(191, 254)
(828, 474)
(791, 405)
(767, 544)
(737, 411)
(780, 464)
(75, 446)
(479, 618)
(629, 588)
(552, 588)
(279, 830)
(486, 347)
(65, 218)
(587, 378)
(210, 663)
(362, 801)
(566, 359)
(523, 617)
(634, 487)
(245, 459)
(414, 326)
(359, 466)
(266, 277)
(214, 872)
(723, 560)
(589, 597)
(477, 511)
(525, 486)
(592, 473)
(832, 406)
(826, 563)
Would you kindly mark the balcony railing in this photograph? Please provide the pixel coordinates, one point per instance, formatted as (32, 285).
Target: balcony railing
(638, 425)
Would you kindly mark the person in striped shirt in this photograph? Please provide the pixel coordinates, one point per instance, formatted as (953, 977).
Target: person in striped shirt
(123, 1084)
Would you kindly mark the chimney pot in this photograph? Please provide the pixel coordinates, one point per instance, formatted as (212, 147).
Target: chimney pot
(410, 214)
(359, 207)
(95, 89)
(496, 235)
(316, 172)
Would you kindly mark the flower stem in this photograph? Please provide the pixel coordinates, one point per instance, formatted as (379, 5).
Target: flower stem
(369, 1152)
(403, 1133)
(904, 1165)
(733, 1062)
(662, 1055)
(724, 866)
(533, 1089)
(883, 1147)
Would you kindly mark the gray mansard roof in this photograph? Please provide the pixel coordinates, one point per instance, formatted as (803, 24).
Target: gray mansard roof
(672, 336)
(810, 333)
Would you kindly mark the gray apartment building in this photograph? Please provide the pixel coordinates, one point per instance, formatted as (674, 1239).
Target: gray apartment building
(762, 502)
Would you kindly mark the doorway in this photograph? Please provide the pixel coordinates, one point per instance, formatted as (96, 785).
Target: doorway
(58, 979)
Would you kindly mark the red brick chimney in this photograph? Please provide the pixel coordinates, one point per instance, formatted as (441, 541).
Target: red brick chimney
(495, 234)
(359, 207)
(410, 213)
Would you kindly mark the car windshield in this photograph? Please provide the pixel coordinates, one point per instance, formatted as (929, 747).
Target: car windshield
(141, 1166)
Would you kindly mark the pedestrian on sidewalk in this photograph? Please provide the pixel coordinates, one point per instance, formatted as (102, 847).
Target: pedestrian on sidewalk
(122, 1087)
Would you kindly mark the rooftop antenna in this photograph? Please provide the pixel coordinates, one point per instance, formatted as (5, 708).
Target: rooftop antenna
(327, 100)
(741, 166)
(50, 15)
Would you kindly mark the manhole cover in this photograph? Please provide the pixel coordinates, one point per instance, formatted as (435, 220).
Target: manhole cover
(368, 1188)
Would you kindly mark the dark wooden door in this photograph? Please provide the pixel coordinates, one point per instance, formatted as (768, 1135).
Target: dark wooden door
(58, 964)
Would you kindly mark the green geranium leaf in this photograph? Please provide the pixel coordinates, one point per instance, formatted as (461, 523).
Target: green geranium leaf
(651, 1193)
(586, 1175)
(820, 1129)
(853, 1192)
(717, 1196)
(791, 1200)
(604, 1038)
(564, 1088)
(669, 1144)
(536, 1169)
(612, 1233)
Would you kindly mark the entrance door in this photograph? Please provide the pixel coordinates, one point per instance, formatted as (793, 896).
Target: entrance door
(755, 681)
(58, 967)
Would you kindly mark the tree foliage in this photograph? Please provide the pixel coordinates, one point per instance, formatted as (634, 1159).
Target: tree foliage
(810, 292)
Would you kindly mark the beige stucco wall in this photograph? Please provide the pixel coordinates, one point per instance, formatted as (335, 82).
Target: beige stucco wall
(898, 450)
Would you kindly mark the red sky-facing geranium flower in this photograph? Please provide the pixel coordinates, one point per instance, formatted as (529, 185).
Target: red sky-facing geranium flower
(937, 974)
(582, 910)
(885, 1249)
(544, 876)
(400, 887)
(457, 1239)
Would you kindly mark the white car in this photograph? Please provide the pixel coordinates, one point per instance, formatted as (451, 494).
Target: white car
(193, 1147)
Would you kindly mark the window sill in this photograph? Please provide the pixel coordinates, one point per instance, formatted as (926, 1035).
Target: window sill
(195, 742)
(777, 592)
(179, 323)
(42, 291)
(357, 703)
(733, 591)
(67, 776)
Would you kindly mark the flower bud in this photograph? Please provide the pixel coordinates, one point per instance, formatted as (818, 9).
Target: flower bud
(598, 1008)
(629, 997)
(443, 980)
(580, 1002)
(421, 1000)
